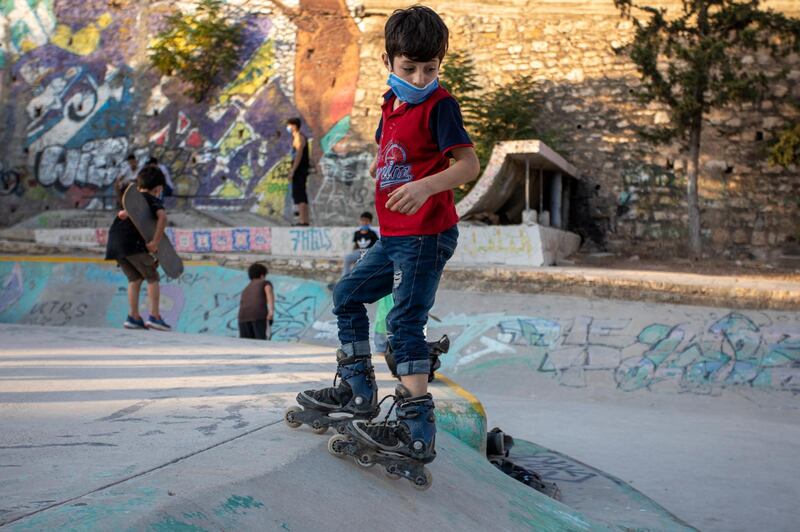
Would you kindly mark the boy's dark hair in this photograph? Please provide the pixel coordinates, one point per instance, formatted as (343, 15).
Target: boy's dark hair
(295, 122)
(131, 157)
(367, 215)
(150, 177)
(152, 160)
(417, 33)
(256, 270)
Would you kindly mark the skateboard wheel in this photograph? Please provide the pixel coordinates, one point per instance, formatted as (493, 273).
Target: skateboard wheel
(289, 417)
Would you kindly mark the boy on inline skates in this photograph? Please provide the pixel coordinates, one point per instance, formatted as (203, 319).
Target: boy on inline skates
(420, 131)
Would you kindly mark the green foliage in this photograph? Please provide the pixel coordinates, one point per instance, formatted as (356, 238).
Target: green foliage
(702, 58)
(787, 150)
(458, 76)
(509, 112)
(201, 49)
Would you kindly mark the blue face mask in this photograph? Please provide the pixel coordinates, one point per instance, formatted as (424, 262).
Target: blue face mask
(406, 92)
(364, 228)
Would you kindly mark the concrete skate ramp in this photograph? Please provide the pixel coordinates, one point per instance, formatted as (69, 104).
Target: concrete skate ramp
(504, 175)
(93, 293)
(108, 429)
(691, 405)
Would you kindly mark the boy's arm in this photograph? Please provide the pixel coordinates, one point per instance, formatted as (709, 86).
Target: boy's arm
(373, 168)
(161, 224)
(408, 198)
(270, 301)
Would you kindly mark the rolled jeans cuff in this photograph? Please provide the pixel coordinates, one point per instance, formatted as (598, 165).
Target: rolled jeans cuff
(357, 349)
(414, 367)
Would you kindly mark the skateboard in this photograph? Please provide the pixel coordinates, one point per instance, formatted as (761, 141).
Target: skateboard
(139, 212)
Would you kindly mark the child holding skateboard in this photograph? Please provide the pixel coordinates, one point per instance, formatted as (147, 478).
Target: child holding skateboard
(257, 305)
(420, 131)
(135, 256)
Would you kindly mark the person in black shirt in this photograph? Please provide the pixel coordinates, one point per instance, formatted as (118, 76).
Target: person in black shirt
(300, 167)
(134, 255)
(363, 239)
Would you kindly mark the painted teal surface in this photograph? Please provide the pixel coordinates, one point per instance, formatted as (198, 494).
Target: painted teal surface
(463, 421)
(659, 517)
(205, 299)
(335, 134)
(88, 515)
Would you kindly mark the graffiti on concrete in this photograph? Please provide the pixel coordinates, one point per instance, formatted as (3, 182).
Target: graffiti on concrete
(9, 181)
(83, 109)
(345, 183)
(12, 288)
(242, 239)
(555, 467)
(205, 299)
(735, 349)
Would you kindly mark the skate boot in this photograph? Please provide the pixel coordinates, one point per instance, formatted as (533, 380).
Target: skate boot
(355, 397)
(435, 350)
(402, 446)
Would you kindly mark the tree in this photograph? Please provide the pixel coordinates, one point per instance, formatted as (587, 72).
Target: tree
(695, 62)
(201, 49)
(509, 112)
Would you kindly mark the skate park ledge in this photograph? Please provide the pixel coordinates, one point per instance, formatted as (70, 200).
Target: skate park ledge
(634, 285)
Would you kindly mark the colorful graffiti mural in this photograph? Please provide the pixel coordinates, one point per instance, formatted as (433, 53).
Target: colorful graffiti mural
(88, 104)
(696, 356)
(205, 299)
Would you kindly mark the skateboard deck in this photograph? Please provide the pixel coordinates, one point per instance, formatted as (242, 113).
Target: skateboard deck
(139, 212)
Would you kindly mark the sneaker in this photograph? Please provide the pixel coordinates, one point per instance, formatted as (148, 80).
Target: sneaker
(134, 323)
(157, 324)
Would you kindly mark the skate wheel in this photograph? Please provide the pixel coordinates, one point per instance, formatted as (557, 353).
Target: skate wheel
(365, 461)
(389, 472)
(318, 427)
(335, 445)
(341, 428)
(423, 481)
(289, 418)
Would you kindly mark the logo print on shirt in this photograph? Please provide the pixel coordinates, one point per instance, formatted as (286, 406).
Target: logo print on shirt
(393, 170)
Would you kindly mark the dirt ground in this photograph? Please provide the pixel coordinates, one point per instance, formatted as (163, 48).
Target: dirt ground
(786, 269)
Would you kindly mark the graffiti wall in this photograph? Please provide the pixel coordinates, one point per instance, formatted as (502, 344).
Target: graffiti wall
(697, 352)
(84, 98)
(205, 299)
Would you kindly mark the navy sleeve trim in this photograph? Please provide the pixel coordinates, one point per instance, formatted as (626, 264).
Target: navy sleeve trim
(379, 131)
(447, 125)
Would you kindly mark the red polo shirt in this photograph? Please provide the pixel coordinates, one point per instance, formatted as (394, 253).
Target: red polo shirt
(414, 142)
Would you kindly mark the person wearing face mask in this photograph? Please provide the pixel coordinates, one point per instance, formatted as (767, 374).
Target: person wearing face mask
(363, 239)
(299, 172)
(424, 152)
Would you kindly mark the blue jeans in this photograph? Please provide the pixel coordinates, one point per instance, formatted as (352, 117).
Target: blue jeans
(410, 268)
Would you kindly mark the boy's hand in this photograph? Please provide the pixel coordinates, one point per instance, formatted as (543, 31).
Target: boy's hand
(409, 198)
(373, 168)
(152, 246)
(122, 215)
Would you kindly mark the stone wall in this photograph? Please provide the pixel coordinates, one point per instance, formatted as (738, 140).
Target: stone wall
(632, 194)
(77, 96)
